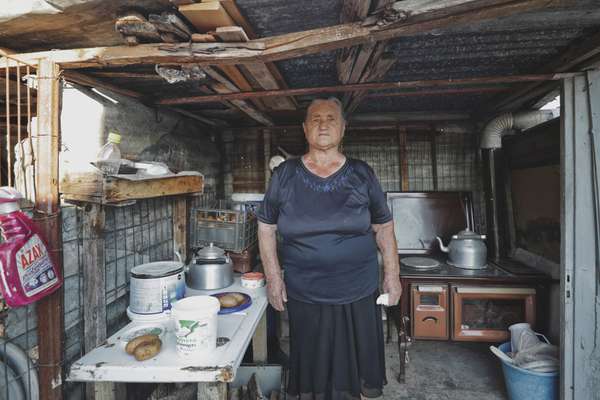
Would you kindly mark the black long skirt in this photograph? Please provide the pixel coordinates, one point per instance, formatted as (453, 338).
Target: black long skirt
(336, 351)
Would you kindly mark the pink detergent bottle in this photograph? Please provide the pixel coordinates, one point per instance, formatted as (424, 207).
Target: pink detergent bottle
(26, 269)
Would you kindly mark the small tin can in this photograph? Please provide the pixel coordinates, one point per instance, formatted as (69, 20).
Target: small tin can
(253, 280)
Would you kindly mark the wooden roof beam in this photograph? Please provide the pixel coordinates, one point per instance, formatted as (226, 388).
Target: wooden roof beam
(441, 83)
(410, 17)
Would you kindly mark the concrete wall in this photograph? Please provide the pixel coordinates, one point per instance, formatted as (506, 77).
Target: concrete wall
(147, 134)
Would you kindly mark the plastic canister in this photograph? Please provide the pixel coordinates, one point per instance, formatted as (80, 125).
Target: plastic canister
(195, 325)
(155, 286)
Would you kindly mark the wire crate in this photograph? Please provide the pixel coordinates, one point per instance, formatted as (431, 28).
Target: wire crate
(230, 230)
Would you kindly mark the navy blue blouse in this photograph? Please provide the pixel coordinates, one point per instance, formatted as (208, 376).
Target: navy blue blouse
(327, 247)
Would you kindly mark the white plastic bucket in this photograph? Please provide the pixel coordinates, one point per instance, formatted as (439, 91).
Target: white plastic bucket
(195, 325)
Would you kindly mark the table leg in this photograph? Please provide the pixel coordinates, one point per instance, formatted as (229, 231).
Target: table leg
(107, 390)
(212, 391)
(259, 341)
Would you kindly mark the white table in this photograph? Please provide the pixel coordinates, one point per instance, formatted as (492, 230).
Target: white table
(110, 362)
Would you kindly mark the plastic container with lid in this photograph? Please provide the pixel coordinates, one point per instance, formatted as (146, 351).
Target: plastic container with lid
(27, 270)
(155, 287)
(109, 156)
(195, 325)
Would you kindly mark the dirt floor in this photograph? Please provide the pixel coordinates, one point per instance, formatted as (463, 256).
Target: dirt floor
(443, 371)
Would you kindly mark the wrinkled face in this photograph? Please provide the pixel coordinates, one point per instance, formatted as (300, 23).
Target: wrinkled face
(324, 126)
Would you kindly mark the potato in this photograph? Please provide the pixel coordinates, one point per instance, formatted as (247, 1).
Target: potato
(147, 350)
(228, 301)
(238, 297)
(134, 343)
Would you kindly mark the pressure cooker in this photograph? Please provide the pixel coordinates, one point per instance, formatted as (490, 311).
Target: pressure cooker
(209, 269)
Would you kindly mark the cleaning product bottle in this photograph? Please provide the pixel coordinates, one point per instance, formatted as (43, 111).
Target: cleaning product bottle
(27, 270)
(109, 156)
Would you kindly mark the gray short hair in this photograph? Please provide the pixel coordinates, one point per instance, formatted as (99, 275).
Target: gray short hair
(331, 99)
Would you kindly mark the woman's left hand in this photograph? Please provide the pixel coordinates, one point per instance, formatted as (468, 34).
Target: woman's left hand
(392, 286)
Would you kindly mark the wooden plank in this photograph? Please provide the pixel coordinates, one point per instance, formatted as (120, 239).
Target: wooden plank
(118, 190)
(352, 10)
(124, 75)
(91, 187)
(361, 60)
(206, 121)
(235, 14)
(259, 341)
(366, 86)
(94, 311)
(206, 16)
(236, 76)
(85, 80)
(223, 86)
(289, 45)
(49, 309)
(180, 226)
(265, 79)
(378, 66)
(403, 159)
(231, 34)
(259, 73)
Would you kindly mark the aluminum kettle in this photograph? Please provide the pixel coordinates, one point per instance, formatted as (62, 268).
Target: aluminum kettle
(467, 250)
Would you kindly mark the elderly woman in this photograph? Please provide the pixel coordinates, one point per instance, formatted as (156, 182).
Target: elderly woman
(331, 215)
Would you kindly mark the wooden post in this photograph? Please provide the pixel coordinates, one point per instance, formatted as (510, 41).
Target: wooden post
(403, 163)
(434, 175)
(259, 341)
(212, 391)
(50, 309)
(180, 226)
(94, 292)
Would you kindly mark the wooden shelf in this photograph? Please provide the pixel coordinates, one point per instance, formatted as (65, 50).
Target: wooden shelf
(94, 188)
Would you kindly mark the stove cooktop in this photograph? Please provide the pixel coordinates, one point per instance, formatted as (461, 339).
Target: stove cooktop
(444, 269)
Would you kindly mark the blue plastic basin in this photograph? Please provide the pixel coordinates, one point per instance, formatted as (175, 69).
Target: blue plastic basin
(522, 384)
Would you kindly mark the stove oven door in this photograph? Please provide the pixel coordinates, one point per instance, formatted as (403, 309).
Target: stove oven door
(484, 313)
(430, 311)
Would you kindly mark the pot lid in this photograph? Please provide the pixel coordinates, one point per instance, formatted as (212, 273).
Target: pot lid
(468, 234)
(210, 252)
(157, 269)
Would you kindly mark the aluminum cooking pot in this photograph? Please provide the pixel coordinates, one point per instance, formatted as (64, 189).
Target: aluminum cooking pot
(210, 269)
(467, 250)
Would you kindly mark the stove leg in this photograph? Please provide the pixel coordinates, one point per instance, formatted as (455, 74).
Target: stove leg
(403, 342)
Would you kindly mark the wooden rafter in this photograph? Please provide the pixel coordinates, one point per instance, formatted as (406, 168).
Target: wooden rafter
(448, 13)
(364, 63)
(575, 57)
(223, 86)
(365, 87)
(89, 81)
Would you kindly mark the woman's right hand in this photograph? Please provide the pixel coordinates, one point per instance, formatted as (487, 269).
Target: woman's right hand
(276, 293)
